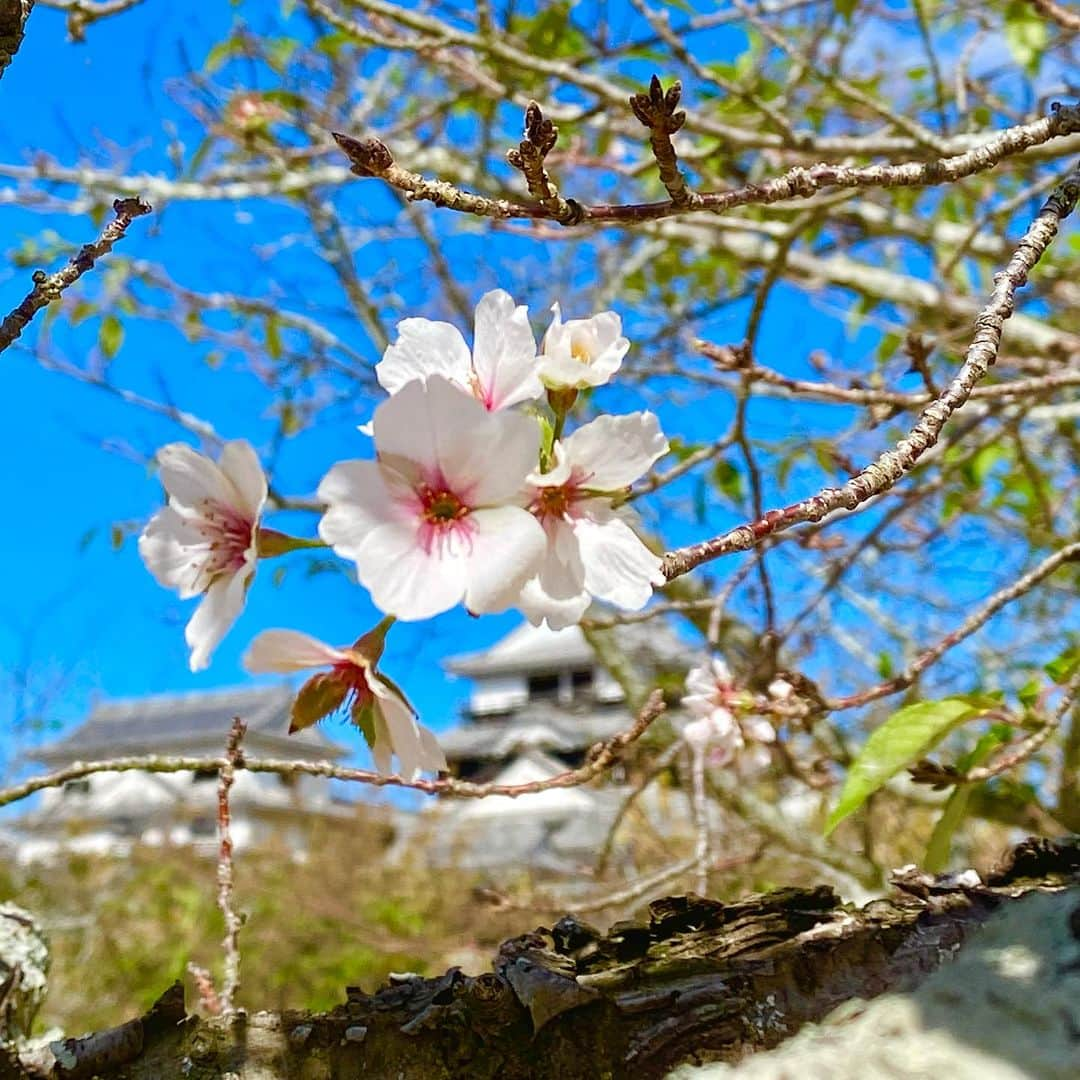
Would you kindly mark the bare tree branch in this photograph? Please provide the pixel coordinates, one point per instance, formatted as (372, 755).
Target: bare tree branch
(48, 287)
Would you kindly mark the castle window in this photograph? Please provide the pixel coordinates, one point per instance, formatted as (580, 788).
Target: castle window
(543, 687)
(77, 787)
(582, 682)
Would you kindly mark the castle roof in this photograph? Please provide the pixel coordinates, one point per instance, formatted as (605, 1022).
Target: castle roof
(533, 649)
(190, 723)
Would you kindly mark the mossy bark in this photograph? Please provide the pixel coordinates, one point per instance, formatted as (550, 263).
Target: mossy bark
(697, 980)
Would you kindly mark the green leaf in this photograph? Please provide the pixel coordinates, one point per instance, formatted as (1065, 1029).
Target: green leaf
(1062, 668)
(845, 8)
(110, 336)
(940, 845)
(1028, 694)
(905, 737)
(1026, 35)
(728, 480)
(272, 334)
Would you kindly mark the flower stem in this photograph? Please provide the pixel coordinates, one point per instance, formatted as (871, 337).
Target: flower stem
(272, 543)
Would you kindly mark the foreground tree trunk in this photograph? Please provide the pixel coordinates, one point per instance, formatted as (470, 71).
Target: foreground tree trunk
(700, 980)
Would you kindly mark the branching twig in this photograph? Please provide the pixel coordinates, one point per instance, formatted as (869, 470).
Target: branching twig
(734, 358)
(968, 627)
(372, 158)
(48, 287)
(893, 464)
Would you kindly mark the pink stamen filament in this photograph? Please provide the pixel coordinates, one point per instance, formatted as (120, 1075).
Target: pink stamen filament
(229, 534)
(355, 678)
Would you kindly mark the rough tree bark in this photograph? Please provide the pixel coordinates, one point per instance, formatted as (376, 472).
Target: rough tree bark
(699, 980)
(13, 16)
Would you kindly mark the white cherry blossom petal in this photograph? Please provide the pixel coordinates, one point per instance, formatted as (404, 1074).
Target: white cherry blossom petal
(360, 496)
(614, 451)
(504, 352)
(408, 581)
(424, 348)
(759, 729)
(559, 472)
(241, 467)
(190, 478)
(619, 568)
(286, 651)
(507, 546)
(415, 746)
(172, 548)
(382, 746)
(484, 456)
(214, 616)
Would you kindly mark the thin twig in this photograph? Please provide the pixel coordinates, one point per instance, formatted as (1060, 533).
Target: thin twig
(600, 760)
(230, 942)
(656, 769)
(968, 627)
(700, 806)
(734, 359)
(1020, 753)
(48, 287)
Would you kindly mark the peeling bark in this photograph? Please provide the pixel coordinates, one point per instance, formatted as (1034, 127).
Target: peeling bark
(697, 979)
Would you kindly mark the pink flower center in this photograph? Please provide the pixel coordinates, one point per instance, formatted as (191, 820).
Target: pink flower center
(229, 535)
(443, 516)
(551, 503)
(355, 678)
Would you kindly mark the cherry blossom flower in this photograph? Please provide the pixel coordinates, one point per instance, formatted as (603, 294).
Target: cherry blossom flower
(721, 724)
(375, 706)
(502, 370)
(781, 690)
(582, 352)
(204, 542)
(440, 516)
(592, 548)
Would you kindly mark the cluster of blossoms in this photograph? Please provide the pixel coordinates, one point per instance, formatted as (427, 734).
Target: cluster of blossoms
(475, 496)
(727, 722)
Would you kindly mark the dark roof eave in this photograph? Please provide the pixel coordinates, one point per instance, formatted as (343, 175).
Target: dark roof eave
(267, 746)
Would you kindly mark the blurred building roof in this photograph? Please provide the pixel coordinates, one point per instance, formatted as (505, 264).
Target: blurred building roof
(530, 649)
(190, 723)
(536, 726)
